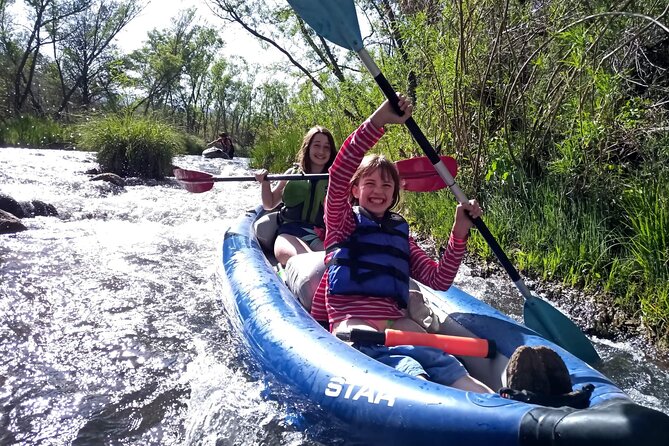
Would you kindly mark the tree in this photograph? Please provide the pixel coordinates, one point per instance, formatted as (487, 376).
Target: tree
(275, 24)
(199, 53)
(42, 15)
(87, 53)
(159, 65)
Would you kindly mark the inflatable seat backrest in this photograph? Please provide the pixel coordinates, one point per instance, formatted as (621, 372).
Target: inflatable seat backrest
(303, 274)
(265, 229)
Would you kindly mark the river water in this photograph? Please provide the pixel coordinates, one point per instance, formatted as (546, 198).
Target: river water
(111, 329)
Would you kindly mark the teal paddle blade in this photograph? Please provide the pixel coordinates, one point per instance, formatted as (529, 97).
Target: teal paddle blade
(335, 20)
(552, 324)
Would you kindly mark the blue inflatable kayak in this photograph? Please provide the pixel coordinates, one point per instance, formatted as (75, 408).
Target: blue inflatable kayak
(329, 383)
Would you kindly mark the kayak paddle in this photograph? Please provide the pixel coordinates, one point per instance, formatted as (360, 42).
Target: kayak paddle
(336, 20)
(416, 174)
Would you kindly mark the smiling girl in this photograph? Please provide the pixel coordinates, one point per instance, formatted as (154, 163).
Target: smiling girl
(371, 256)
(301, 217)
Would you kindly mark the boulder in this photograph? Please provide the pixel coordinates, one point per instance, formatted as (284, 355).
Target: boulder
(111, 178)
(27, 209)
(38, 208)
(9, 223)
(8, 204)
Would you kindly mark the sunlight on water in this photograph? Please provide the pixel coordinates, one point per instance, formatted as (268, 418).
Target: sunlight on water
(102, 305)
(113, 331)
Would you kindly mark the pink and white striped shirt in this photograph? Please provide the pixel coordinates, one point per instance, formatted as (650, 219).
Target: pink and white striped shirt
(340, 224)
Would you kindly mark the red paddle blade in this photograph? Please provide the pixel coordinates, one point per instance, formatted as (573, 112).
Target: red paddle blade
(418, 174)
(194, 181)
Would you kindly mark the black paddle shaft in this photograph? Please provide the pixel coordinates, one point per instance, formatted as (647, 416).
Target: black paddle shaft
(429, 151)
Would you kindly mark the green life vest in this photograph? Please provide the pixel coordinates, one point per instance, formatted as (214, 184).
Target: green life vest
(303, 201)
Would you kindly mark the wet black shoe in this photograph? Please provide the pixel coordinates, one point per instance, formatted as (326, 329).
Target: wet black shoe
(556, 371)
(526, 371)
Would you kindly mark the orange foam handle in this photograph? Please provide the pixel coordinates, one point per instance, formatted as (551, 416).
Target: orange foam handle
(454, 345)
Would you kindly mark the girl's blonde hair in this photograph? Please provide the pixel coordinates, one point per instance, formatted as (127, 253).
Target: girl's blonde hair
(303, 159)
(371, 163)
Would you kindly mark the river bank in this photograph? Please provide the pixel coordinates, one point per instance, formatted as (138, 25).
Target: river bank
(593, 312)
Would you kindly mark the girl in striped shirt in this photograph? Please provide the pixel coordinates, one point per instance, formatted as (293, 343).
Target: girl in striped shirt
(371, 255)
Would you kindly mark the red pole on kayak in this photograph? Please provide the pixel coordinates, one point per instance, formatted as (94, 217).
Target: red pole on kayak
(454, 345)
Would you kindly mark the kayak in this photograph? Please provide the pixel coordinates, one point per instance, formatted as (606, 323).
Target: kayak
(330, 388)
(215, 152)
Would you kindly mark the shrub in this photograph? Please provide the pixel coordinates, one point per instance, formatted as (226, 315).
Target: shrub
(192, 145)
(277, 150)
(129, 145)
(32, 131)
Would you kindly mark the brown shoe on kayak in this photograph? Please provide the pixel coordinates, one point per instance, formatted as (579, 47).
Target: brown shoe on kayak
(526, 371)
(556, 370)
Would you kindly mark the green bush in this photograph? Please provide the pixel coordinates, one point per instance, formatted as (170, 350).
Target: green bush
(192, 145)
(32, 131)
(276, 151)
(131, 146)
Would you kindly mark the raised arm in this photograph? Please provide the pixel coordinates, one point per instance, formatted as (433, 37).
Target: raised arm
(440, 275)
(337, 208)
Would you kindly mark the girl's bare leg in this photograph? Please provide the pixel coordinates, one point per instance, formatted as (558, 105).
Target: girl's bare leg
(407, 324)
(349, 324)
(287, 246)
(471, 384)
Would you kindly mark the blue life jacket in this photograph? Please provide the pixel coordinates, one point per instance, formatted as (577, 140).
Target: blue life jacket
(374, 260)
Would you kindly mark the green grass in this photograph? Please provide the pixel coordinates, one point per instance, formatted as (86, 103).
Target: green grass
(647, 219)
(276, 150)
(132, 146)
(620, 252)
(31, 131)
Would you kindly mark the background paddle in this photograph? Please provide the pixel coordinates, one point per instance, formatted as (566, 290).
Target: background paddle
(336, 20)
(417, 175)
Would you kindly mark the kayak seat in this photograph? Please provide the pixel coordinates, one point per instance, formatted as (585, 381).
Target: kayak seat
(265, 229)
(303, 274)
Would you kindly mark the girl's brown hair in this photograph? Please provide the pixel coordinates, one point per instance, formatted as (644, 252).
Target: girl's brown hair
(388, 171)
(303, 155)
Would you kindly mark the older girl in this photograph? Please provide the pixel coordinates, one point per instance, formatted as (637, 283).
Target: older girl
(301, 223)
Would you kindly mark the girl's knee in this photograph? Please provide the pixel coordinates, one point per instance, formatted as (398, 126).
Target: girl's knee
(351, 324)
(287, 246)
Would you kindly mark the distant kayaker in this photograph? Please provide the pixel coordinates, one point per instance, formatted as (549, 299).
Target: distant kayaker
(224, 143)
(301, 227)
(371, 256)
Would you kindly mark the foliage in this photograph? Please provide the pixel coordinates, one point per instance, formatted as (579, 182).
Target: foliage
(129, 145)
(192, 145)
(31, 131)
(280, 134)
(646, 205)
(86, 60)
(551, 117)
